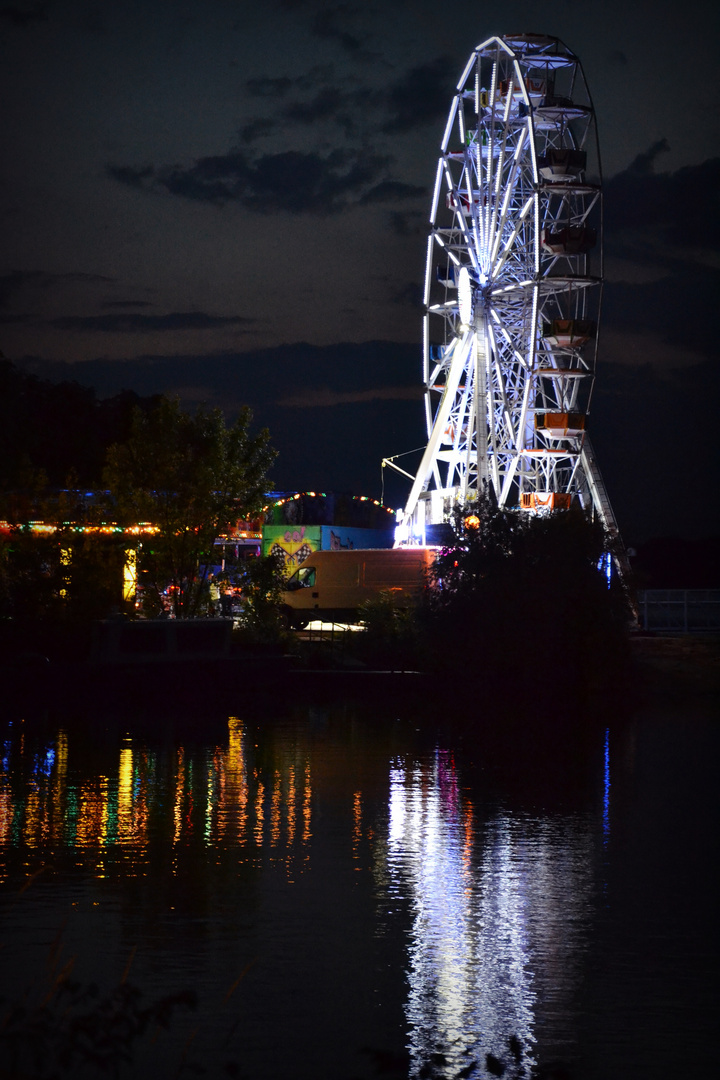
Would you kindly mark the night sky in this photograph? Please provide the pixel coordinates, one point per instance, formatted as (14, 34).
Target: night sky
(228, 201)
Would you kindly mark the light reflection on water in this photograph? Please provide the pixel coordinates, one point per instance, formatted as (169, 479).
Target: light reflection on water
(499, 920)
(213, 797)
(369, 886)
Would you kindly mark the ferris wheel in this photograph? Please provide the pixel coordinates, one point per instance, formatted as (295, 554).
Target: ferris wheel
(513, 282)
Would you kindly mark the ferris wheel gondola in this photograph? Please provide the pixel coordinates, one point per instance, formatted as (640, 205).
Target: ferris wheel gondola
(513, 282)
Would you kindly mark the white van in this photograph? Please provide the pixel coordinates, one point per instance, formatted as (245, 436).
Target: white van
(331, 585)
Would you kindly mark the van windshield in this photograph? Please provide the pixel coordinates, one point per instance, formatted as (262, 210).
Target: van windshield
(304, 578)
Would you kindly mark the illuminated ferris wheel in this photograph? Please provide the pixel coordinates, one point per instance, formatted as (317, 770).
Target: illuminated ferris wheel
(513, 280)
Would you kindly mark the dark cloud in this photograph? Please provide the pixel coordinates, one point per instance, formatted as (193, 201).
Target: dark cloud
(421, 96)
(132, 323)
(410, 293)
(665, 227)
(269, 87)
(17, 17)
(256, 129)
(218, 179)
(408, 222)
(392, 191)
(344, 368)
(132, 177)
(673, 310)
(350, 110)
(650, 459)
(311, 183)
(278, 87)
(292, 181)
(656, 216)
(644, 163)
(325, 104)
(326, 26)
(19, 280)
(110, 304)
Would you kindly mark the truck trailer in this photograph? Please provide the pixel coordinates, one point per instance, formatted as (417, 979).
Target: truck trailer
(331, 585)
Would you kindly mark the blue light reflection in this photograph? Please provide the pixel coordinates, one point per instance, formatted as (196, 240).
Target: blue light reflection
(606, 788)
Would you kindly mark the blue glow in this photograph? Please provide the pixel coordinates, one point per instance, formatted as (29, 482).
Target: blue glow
(605, 566)
(606, 788)
(43, 766)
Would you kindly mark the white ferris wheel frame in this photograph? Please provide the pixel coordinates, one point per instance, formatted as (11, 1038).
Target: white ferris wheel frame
(513, 283)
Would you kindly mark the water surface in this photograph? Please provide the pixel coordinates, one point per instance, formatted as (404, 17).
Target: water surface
(357, 889)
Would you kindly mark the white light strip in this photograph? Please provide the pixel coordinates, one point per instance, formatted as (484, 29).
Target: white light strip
(436, 192)
(461, 126)
(521, 83)
(491, 144)
(466, 72)
(448, 126)
(533, 329)
(428, 267)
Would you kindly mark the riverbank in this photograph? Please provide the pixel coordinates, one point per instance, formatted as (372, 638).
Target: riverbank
(677, 666)
(661, 668)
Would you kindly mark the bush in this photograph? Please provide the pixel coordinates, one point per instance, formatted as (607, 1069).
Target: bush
(391, 638)
(520, 598)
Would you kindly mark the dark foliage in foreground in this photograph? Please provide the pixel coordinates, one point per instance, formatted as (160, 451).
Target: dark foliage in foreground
(74, 1030)
(516, 605)
(521, 599)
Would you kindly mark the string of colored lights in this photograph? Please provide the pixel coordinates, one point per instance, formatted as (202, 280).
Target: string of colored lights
(323, 495)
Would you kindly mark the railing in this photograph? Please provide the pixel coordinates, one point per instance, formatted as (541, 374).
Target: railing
(680, 611)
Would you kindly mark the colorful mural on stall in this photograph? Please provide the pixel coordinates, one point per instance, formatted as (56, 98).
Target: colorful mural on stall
(298, 542)
(294, 542)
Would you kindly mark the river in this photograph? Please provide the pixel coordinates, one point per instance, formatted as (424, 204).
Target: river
(366, 886)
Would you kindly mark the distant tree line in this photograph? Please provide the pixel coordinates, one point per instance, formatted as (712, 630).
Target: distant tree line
(60, 429)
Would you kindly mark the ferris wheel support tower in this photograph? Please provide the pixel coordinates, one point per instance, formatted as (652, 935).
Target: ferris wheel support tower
(513, 282)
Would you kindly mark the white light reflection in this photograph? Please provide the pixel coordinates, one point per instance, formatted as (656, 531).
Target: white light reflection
(498, 922)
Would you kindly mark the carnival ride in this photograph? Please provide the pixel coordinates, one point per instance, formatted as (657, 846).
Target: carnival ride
(513, 282)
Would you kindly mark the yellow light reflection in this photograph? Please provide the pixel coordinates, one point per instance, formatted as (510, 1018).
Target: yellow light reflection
(307, 805)
(179, 792)
(259, 814)
(275, 804)
(125, 788)
(92, 815)
(59, 785)
(6, 810)
(357, 824)
(291, 796)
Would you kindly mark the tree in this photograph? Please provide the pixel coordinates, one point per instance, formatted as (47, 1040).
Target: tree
(262, 596)
(520, 596)
(191, 477)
